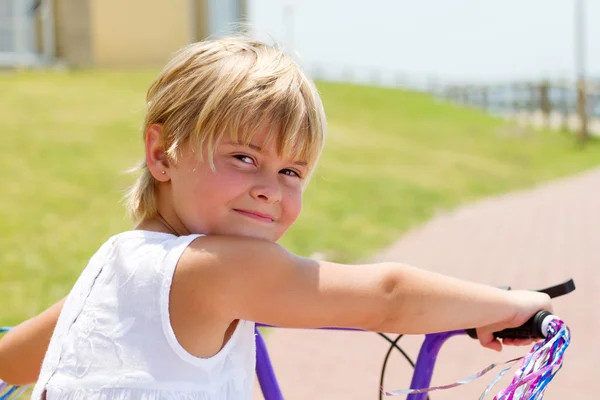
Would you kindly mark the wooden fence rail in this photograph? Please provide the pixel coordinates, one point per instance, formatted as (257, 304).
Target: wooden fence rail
(533, 98)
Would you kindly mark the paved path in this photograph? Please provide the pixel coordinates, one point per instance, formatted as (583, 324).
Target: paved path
(527, 239)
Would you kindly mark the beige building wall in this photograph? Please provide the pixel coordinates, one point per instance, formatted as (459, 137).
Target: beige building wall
(201, 21)
(138, 32)
(72, 32)
(126, 33)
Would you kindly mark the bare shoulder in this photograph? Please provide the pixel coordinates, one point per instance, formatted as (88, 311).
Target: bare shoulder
(222, 260)
(211, 272)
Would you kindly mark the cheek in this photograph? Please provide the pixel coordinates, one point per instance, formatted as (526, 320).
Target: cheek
(216, 188)
(293, 204)
(231, 180)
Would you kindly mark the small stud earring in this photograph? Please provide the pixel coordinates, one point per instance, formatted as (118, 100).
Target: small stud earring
(162, 172)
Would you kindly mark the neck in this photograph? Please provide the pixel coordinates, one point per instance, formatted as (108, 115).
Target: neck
(166, 220)
(167, 225)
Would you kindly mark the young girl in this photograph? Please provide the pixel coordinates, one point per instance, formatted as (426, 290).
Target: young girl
(232, 135)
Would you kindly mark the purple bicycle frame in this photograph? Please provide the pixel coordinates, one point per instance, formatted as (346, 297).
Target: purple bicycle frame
(421, 377)
(268, 381)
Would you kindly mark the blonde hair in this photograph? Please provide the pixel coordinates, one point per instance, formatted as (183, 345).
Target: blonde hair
(229, 86)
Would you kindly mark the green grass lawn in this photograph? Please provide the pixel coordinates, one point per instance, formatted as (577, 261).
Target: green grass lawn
(392, 160)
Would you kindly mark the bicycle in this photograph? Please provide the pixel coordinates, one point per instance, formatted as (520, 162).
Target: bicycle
(423, 368)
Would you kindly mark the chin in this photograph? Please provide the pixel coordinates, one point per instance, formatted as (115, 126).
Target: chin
(270, 236)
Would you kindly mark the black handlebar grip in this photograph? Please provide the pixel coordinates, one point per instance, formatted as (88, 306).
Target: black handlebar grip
(532, 329)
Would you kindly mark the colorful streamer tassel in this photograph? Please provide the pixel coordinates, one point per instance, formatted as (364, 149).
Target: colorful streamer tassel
(8, 392)
(537, 369)
(539, 366)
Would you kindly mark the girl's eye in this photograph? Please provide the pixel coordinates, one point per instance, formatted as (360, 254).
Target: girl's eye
(245, 159)
(290, 172)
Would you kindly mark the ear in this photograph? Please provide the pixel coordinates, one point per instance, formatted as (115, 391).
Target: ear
(156, 156)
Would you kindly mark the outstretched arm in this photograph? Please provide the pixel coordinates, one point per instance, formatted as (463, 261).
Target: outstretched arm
(256, 280)
(23, 348)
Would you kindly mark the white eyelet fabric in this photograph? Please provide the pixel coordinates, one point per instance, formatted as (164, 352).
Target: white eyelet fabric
(114, 340)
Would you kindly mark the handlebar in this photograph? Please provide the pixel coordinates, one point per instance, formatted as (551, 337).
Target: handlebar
(537, 326)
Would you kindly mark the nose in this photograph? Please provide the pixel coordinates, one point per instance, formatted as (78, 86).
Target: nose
(266, 189)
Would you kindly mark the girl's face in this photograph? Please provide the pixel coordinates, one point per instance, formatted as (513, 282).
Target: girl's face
(253, 191)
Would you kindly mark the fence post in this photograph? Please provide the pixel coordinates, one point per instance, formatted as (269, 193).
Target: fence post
(545, 104)
(582, 110)
(563, 106)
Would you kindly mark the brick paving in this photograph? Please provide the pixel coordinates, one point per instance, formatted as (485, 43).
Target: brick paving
(528, 239)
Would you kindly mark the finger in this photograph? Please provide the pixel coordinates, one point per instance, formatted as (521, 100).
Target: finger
(494, 345)
(487, 340)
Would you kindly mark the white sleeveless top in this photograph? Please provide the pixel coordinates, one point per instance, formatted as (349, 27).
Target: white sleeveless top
(114, 340)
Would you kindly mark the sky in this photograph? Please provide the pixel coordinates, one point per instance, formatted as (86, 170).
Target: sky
(442, 40)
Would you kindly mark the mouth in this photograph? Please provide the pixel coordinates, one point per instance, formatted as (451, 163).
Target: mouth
(256, 215)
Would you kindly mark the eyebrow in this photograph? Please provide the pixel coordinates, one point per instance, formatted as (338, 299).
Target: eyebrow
(260, 150)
